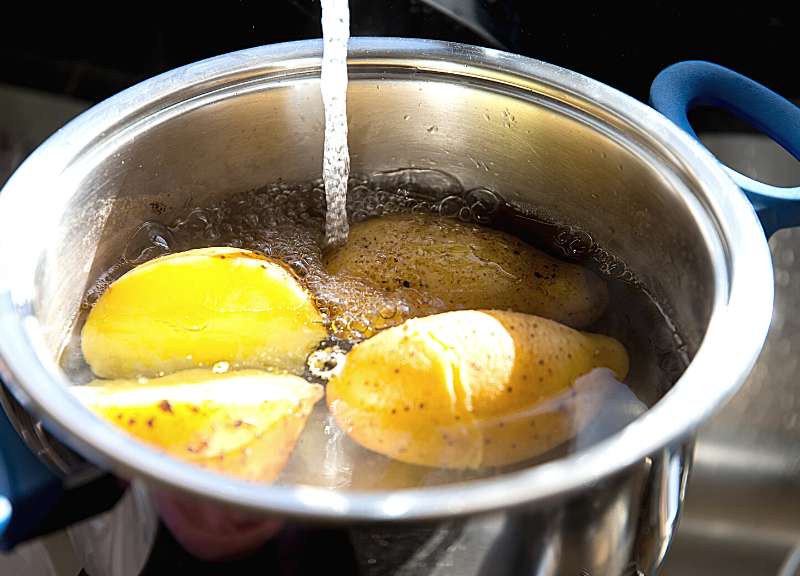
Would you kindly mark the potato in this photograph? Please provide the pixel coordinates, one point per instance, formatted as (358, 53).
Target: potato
(469, 389)
(196, 308)
(242, 423)
(466, 266)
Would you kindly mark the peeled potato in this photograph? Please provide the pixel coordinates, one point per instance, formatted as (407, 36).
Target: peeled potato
(469, 389)
(243, 423)
(466, 266)
(197, 308)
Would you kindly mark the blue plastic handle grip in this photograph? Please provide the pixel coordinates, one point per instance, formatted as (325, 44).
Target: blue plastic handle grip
(28, 488)
(680, 87)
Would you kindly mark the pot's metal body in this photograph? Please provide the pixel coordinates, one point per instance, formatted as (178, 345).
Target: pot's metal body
(576, 150)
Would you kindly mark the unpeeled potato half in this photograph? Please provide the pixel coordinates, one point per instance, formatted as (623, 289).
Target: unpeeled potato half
(470, 389)
(199, 307)
(243, 423)
(466, 266)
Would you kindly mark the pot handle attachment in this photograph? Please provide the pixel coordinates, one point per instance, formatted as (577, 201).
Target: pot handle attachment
(28, 488)
(682, 86)
(36, 499)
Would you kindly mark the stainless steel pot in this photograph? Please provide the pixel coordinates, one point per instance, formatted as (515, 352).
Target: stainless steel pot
(544, 137)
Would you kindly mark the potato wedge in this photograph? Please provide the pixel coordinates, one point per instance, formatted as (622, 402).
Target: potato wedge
(467, 266)
(243, 423)
(470, 389)
(196, 308)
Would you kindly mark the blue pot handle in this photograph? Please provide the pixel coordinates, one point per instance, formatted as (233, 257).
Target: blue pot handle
(685, 85)
(36, 500)
(28, 488)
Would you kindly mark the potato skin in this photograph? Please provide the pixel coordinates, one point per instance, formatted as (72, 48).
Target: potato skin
(466, 266)
(242, 423)
(199, 307)
(469, 389)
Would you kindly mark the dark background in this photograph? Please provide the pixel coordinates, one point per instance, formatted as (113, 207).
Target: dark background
(91, 51)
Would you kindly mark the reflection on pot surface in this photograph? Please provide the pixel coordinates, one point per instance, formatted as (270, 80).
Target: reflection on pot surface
(246, 284)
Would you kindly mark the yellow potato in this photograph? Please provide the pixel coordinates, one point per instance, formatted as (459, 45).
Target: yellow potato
(243, 423)
(196, 308)
(468, 389)
(466, 266)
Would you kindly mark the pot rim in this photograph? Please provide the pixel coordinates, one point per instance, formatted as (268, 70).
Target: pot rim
(736, 330)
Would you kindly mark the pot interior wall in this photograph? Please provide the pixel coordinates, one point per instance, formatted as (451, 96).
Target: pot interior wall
(557, 156)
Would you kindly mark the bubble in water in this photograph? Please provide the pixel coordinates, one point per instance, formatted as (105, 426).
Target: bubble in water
(387, 311)
(574, 242)
(450, 206)
(299, 267)
(151, 239)
(199, 221)
(483, 204)
(421, 208)
(577, 243)
(423, 183)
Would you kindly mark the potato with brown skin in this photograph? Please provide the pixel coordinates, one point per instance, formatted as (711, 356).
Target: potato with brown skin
(469, 389)
(196, 308)
(242, 423)
(466, 266)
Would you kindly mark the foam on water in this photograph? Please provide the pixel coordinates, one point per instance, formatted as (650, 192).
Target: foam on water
(288, 222)
(333, 84)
